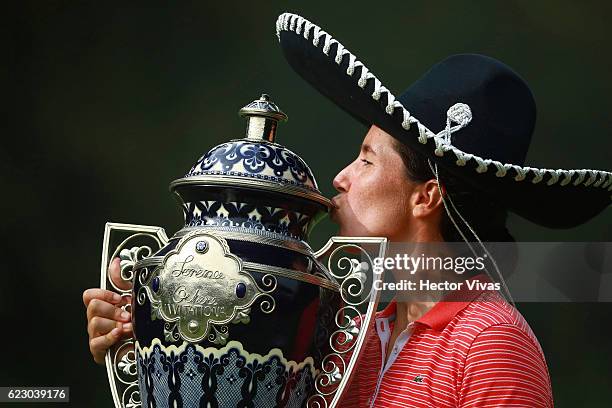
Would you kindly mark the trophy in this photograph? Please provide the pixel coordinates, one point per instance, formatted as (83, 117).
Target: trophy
(236, 309)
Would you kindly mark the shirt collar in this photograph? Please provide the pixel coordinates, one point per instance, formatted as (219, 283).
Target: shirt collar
(443, 311)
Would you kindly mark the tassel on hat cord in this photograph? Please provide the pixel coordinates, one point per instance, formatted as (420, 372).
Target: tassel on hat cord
(506, 293)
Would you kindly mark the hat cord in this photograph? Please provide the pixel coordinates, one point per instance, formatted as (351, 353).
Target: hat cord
(506, 291)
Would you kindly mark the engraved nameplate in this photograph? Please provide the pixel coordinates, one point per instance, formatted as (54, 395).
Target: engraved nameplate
(201, 285)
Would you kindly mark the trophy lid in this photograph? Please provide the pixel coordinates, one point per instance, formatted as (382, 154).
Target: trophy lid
(256, 161)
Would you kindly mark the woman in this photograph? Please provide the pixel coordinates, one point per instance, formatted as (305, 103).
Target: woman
(467, 348)
(473, 350)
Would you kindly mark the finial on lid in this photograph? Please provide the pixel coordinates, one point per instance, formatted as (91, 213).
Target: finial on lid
(262, 117)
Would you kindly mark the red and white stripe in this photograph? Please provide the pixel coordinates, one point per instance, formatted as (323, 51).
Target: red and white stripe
(480, 353)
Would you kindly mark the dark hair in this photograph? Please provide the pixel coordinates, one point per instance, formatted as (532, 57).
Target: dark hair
(484, 214)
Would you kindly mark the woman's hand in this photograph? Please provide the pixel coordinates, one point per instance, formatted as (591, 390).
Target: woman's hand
(106, 321)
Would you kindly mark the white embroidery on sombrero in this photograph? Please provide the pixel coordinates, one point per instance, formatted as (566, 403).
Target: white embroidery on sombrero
(568, 176)
(521, 172)
(539, 175)
(463, 158)
(591, 179)
(581, 176)
(554, 176)
(599, 182)
(483, 165)
(502, 169)
(305, 28)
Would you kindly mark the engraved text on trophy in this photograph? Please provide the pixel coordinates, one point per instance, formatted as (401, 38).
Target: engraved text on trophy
(201, 284)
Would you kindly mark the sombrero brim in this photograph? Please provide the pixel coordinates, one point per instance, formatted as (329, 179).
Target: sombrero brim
(552, 198)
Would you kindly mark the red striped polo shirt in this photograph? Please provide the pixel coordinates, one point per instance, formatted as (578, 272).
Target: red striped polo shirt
(473, 349)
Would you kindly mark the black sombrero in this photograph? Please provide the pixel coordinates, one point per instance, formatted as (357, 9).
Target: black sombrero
(482, 114)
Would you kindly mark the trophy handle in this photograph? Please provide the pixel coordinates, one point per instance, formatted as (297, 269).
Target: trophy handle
(354, 273)
(136, 242)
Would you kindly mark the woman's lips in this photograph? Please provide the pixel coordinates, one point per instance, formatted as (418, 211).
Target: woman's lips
(334, 202)
(334, 209)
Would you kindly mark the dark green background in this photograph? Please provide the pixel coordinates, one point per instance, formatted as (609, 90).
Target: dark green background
(110, 102)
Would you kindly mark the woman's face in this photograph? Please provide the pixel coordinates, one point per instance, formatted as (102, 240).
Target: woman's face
(374, 191)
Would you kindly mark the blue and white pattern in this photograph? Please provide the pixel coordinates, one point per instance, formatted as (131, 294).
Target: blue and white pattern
(192, 376)
(288, 223)
(259, 160)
